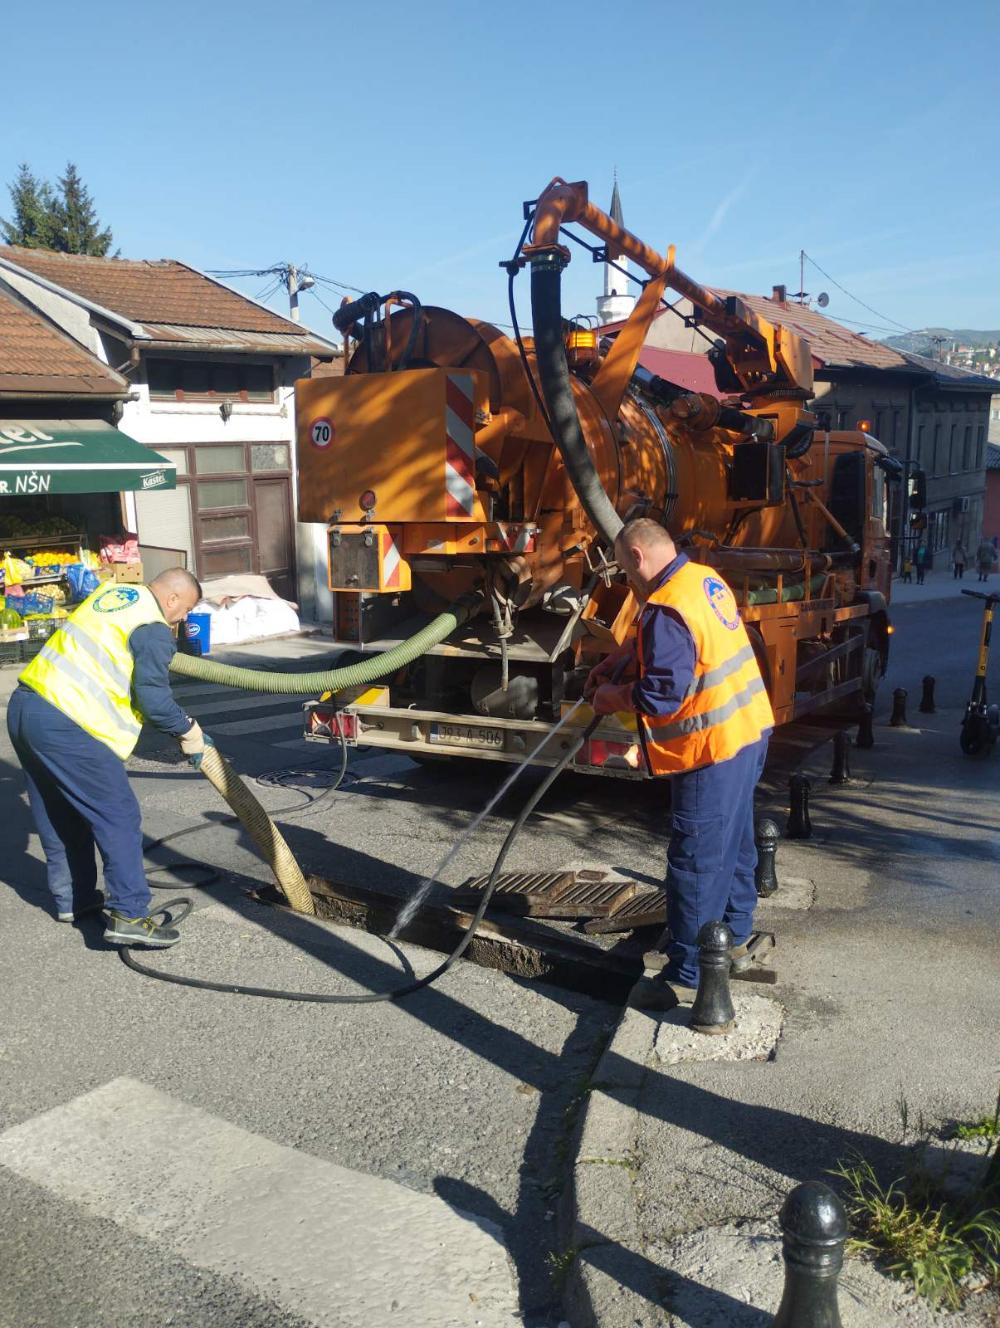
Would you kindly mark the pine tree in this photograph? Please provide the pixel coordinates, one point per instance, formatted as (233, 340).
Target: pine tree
(33, 222)
(78, 230)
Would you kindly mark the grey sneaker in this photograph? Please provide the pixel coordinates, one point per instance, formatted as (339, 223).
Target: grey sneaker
(139, 931)
(84, 911)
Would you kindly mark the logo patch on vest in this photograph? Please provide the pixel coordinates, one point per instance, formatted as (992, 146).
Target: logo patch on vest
(723, 602)
(117, 597)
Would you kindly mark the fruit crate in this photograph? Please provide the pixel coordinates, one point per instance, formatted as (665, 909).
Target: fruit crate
(12, 652)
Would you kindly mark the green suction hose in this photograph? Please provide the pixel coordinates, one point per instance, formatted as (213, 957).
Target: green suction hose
(332, 680)
(224, 778)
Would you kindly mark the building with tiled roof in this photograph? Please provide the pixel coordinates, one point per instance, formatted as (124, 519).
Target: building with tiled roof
(39, 362)
(207, 379)
(932, 416)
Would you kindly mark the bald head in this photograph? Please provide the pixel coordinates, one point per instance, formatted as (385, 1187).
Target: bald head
(177, 592)
(642, 550)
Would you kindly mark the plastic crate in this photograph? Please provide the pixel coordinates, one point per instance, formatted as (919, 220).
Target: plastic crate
(29, 649)
(11, 652)
(40, 629)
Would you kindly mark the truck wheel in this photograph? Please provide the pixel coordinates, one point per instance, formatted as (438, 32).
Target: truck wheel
(871, 674)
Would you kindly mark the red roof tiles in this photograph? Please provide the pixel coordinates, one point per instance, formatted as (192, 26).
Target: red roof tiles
(36, 357)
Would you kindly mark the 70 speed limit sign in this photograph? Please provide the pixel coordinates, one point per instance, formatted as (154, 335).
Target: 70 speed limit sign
(322, 432)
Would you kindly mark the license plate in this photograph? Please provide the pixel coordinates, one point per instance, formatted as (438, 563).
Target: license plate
(466, 735)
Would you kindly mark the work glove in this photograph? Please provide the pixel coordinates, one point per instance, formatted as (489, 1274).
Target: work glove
(611, 697)
(193, 744)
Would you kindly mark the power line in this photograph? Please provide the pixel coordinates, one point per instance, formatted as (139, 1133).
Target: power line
(843, 289)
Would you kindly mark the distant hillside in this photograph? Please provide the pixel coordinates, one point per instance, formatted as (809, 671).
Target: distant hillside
(924, 342)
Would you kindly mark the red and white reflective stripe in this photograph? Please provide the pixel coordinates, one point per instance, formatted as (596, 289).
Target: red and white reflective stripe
(459, 464)
(516, 539)
(391, 562)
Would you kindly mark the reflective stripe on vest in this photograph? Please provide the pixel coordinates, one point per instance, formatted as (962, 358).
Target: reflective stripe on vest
(726, 707)
(85, 668)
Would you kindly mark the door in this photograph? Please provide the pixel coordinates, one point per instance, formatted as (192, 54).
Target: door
(275, 536)
(241, 507)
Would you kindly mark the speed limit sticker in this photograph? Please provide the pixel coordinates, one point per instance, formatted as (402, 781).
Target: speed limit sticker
(322, 432)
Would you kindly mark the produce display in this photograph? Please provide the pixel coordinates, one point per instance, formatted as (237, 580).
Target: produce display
(15, 527)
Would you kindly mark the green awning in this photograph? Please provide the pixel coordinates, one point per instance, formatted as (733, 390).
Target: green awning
(77, 456)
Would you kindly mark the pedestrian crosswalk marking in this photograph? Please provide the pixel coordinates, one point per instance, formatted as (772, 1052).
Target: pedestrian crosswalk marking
(340, 1248)
(260, 724)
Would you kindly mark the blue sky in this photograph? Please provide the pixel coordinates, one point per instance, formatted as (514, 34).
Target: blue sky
(391, 144)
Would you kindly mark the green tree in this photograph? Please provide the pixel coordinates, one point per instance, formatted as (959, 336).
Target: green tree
(78, 230)
(32, 222)
(46, 218)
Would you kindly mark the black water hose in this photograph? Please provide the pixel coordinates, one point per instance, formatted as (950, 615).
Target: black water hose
(407, 988)
(553, 373)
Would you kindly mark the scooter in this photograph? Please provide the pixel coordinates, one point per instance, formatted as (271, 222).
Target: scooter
(981, 725)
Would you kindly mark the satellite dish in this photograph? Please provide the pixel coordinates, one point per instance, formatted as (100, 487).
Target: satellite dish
(822, 299)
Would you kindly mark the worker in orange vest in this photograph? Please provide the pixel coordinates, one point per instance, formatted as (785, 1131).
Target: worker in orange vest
(704, 717)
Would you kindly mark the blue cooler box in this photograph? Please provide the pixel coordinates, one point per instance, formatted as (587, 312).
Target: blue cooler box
(198, 630)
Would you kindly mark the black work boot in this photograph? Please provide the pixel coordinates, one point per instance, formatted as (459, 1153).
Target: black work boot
(657, 994)
(139, 931)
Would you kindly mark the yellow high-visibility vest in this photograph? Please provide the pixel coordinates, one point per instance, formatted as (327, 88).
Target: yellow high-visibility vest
(726, 708)
(85, 668)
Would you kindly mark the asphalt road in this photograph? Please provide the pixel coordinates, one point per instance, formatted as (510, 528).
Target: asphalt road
(463, 1095)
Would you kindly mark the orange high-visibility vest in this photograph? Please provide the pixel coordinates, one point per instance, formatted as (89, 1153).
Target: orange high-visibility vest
(726, 708)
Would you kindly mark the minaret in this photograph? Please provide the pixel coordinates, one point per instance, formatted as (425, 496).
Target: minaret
(616, 303)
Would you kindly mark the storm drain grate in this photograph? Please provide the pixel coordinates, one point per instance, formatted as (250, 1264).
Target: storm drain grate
(566, 894)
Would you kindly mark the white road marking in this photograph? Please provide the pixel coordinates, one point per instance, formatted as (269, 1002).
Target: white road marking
(236, 705)
(262, 724)
(340, 1248)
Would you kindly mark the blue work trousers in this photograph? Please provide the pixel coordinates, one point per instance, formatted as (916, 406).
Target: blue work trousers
(79, 796)
(712, 856)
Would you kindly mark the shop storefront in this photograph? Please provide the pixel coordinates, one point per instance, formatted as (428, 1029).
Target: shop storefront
(62, 520)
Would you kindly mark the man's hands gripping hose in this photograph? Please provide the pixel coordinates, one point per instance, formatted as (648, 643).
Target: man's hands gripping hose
(194, 742)
(609, 684)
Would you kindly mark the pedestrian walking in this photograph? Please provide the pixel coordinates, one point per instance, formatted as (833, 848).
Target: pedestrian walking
(75, 718)
(986, 559)
(704, 718)
(958, 560)
(922, 561)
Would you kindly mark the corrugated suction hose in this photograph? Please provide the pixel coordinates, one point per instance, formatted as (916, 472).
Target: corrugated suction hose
(214, 766)
(261, 829)
(332, 680)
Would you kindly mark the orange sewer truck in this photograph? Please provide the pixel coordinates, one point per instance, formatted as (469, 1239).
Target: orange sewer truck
(454, 464)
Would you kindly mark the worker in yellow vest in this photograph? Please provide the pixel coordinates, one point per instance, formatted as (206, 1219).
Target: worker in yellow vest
(75, 718)
(704, 717)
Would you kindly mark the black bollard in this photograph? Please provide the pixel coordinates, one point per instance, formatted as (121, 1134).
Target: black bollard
(840, 771)
(813, 1230)
(866, 732)
(765, 877)
(898, 717)
(712, 1011)
(799, 826)
(927, 700)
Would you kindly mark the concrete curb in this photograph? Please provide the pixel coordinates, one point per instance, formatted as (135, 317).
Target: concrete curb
(602, 1219)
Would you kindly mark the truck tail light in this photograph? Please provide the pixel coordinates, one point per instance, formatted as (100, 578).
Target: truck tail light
(324, 723)
(597, 753)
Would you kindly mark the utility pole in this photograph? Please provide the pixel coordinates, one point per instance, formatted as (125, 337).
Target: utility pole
(296, 281)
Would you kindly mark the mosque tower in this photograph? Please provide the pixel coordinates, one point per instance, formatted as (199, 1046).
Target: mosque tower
(616, 303)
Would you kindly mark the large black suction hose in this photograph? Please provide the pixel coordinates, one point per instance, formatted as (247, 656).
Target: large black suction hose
(553, 371)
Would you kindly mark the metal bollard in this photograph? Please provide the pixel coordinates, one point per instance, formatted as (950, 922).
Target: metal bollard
(766, 837)
(898, 717)
(799, 825)
(813, 1230)
(840, 772)
(927, 700)
(866, 731)
(712, 1011)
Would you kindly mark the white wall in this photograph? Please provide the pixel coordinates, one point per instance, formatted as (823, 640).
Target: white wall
(162, 424)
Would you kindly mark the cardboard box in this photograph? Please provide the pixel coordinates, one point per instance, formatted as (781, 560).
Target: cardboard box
(128, 572)
(8, 635)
